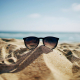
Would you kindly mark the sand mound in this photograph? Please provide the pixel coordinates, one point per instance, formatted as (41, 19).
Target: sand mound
(42, 64)
(63, 63)
(8, 40)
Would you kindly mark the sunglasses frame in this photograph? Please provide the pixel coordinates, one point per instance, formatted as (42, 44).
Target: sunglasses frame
(39, 40)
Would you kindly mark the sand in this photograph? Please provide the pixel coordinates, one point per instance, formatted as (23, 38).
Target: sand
(19, 63)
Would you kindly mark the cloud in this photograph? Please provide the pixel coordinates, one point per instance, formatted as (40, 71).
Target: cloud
(73, 7)
(65, 10)
(52, 23)
(76, 7)
(45, 23)
(34, 15)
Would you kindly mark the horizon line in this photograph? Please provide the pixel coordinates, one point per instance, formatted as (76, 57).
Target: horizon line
(38, 31)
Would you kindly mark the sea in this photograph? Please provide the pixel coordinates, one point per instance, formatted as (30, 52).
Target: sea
(64, 37)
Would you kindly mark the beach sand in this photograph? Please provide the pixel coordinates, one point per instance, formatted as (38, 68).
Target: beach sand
(19, 63)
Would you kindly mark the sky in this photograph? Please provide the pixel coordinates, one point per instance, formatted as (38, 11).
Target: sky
(40, 15)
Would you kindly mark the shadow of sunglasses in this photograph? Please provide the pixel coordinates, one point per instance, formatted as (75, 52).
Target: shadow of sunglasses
(32, 42)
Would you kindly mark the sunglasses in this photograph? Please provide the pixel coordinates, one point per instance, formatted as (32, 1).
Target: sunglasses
(32, 42)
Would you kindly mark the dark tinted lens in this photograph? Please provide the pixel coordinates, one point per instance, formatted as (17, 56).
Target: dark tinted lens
(31, 42)
(50, 42)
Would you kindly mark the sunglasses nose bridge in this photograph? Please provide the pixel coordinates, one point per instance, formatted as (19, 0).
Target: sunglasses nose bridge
(40, 40)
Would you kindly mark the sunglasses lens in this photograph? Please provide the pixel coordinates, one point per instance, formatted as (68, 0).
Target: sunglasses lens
(31, 42)
(50, 42)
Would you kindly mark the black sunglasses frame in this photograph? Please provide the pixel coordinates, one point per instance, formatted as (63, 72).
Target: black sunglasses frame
(39, 40)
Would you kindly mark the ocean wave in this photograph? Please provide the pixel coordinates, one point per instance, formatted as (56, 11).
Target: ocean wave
(64, 37)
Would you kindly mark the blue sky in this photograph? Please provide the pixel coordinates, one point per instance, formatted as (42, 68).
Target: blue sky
(40, 15)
